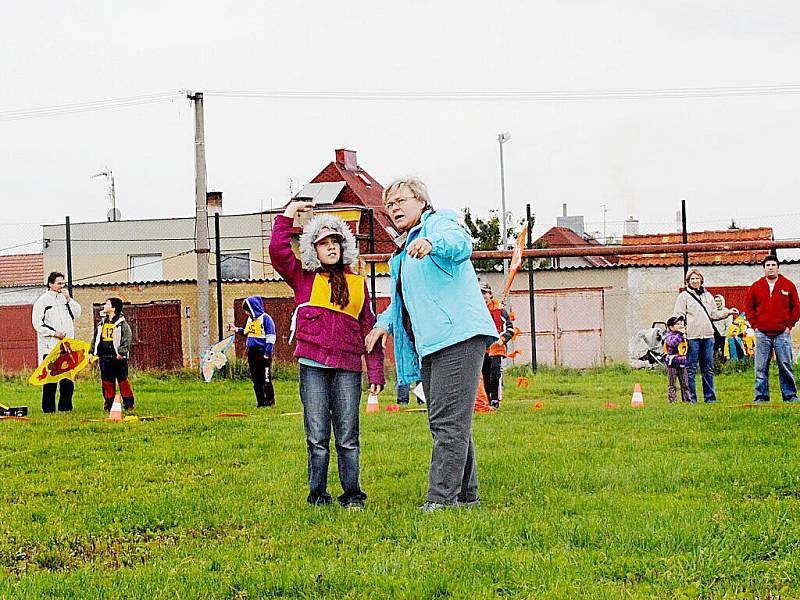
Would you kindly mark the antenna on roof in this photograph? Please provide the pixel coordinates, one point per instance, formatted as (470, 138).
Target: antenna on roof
(114, 213)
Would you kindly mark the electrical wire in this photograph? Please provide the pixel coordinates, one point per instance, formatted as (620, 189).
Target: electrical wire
(126, 269)
(517, 96)
(20, 245)
(89, 106)
(411, 96)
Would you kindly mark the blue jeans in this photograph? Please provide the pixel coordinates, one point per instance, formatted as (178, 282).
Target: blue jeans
(701, 351)
(331, 397)
(403, 393)
(782, 345)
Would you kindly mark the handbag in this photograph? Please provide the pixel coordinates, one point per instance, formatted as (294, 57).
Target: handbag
(718, 337)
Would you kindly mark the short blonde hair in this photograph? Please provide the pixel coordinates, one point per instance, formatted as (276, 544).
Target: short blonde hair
(417, 187)
(695, 271)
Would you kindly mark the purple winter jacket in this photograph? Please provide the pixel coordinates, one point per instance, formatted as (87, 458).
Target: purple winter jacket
(673, 341)
(329, 337)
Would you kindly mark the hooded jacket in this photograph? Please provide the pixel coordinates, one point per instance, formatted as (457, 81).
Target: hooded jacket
(118, 332)
(723, 324)
(260, 328)
(440, 292)
(326, 333)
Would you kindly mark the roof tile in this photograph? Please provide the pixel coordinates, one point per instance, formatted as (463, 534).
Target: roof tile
(21, 269)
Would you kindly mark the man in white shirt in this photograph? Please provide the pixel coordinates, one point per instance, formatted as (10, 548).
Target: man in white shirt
(53, 318)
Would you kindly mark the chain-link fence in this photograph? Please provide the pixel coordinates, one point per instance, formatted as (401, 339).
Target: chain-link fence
(584, 313)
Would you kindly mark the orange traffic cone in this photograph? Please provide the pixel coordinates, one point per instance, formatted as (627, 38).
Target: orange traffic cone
(637, 399)
(372, 404)
(116, 410)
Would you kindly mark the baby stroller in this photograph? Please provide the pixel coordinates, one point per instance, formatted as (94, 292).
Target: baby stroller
(646, 348)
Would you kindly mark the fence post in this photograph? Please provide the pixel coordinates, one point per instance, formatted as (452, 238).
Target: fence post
(371, 214)
(685, 238)
(68, 239)
(531, 288)
(219, 276)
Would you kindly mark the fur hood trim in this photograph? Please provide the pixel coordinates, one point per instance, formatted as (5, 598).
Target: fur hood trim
(308, 253)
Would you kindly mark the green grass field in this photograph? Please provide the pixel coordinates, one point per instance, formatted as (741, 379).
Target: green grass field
(579, 501)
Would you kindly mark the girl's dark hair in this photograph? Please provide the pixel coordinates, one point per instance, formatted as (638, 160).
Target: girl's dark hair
(340, 294)
(117, 304)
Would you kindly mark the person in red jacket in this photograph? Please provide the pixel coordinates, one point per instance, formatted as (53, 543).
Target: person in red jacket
(773, 308)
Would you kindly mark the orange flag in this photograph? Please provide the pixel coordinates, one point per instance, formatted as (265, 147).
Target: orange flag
(516, 260)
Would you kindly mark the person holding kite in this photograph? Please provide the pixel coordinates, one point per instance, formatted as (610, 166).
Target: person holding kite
(492, 360)
(53, 319)
(441, 329)
(332, 317)
(111, 344)
(260, 333)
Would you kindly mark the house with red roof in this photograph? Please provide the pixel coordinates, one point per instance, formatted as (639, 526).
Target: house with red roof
(21, 270)
(346, 189)
(564, 237)
(737, 257)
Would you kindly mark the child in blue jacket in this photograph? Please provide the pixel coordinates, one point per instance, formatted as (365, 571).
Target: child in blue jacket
(260, 333)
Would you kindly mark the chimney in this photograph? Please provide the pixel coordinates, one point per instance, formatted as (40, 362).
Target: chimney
(214, 203)
(631, 226)
(347, 158)
(564, 209)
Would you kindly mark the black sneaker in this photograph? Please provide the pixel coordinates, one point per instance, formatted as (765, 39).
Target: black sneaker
(319, 500)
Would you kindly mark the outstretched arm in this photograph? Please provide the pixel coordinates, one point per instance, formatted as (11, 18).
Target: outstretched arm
(280, 246)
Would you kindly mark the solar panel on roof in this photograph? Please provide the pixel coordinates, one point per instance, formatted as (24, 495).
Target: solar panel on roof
(321, 193)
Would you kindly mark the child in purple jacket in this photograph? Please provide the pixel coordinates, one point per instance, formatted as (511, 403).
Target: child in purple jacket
(332, 318)
(675, 359)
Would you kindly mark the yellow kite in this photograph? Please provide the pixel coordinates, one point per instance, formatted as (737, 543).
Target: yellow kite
(66, 360)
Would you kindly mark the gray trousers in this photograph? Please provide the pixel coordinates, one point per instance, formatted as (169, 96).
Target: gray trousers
(450, 380)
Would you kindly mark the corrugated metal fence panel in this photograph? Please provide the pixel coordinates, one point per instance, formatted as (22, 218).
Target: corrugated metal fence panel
(18, 339)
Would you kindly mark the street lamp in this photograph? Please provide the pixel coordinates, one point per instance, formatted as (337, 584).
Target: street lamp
(502, 139)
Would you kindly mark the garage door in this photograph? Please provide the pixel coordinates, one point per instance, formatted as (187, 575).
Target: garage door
(569, 327)
(18, 339)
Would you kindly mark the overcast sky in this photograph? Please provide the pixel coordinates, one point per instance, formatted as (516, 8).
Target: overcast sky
(729, 157)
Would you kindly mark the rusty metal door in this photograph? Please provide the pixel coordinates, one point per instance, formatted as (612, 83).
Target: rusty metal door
(569, 327)
(156, 328)
(579, 318)
(280, 309)
(18, 339)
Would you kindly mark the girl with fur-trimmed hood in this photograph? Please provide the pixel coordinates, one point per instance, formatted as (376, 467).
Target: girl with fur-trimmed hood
(332, 318)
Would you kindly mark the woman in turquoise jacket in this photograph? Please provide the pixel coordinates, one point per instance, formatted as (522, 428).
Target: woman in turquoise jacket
(441, 329)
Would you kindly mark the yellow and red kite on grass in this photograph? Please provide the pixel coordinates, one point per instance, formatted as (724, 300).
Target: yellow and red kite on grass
(65, 361)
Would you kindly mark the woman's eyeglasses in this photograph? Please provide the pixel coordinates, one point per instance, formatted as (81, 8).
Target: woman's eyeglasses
(399, 202)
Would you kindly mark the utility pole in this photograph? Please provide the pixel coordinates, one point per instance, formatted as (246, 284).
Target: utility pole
(685, 238)
(502, 138)
(201, 224)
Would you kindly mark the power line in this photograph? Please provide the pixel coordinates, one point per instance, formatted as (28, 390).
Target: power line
(517, 96)
(20, 245)
(152, 262)
(411, 96)
(89, 106)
